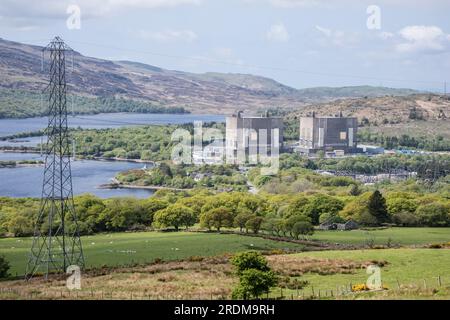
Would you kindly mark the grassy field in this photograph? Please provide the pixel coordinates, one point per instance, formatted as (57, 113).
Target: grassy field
(214, 278)
(124, 248)
(407, 267)
(117, 249)
(401, 236)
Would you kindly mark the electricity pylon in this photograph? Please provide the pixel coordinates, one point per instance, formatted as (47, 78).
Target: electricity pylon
(56, 243)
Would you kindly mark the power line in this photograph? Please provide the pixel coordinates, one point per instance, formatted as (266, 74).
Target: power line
(128, 122)
(250, 66)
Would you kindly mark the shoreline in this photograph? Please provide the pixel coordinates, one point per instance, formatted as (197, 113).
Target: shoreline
(115, 184)
(77, 158)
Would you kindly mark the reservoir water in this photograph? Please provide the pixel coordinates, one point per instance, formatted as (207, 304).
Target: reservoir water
(105, 120)
(87, 174)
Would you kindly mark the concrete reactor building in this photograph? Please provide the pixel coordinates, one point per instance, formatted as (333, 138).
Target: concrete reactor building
(328, 134)
(244, 133)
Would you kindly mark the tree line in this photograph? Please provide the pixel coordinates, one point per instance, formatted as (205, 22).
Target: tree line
(15, 103)
(287, 215)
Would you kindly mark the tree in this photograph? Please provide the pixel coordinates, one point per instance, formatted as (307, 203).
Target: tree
(405, 219)
(434, 215)
(377, 207)
(296, 207)
(249, 260)
(255, 276)
(20, 225)
(241, 219)
(151, 206)
(354, 190)
(399, 205)
(254, 224)
(302, 228)
(274, 225)
(4, 267)
(253, 283)
(217, 218)
(320, 204)
(123, 214)
(303, 223)
(176, 216)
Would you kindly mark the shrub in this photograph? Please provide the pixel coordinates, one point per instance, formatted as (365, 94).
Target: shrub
(4, 267)
(249, 260)
(254, 224)
(405, 219)
(433, 215)
(253, 283)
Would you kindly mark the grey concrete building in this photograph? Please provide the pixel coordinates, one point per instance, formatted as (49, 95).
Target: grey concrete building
(246, 133)
(328, 134)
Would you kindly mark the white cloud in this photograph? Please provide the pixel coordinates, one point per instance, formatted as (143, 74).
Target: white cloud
(169, 35)
(89, 8)
(278, 33)
(422, 38)
(336, 37)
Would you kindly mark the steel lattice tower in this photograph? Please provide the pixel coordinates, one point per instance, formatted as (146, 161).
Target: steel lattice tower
(56, 243)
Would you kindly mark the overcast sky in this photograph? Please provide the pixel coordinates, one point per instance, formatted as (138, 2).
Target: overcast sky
(300, 43)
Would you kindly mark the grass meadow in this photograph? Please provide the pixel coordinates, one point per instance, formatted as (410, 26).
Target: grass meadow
(119, 249)
(412, 271)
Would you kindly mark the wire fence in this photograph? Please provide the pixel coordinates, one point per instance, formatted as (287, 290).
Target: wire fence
(395, 287)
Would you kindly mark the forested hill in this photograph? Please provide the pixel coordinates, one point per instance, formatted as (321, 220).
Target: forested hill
(20, 69)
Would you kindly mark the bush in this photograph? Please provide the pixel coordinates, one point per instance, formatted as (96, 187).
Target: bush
(253, 283)
(433, 215)
(4, 267)
(405, 219)
(249, 260)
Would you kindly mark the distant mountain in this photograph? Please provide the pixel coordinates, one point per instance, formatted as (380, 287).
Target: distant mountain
(20, 69)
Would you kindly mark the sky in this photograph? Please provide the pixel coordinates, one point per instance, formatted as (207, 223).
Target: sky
(300, 43)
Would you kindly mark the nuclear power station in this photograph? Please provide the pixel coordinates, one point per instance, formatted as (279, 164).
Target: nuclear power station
(328, 134)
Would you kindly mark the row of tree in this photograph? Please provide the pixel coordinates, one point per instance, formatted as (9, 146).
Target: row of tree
(287, 215)
(15, 103)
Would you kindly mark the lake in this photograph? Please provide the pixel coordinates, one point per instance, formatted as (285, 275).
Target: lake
(87, 174)
(105, 120)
